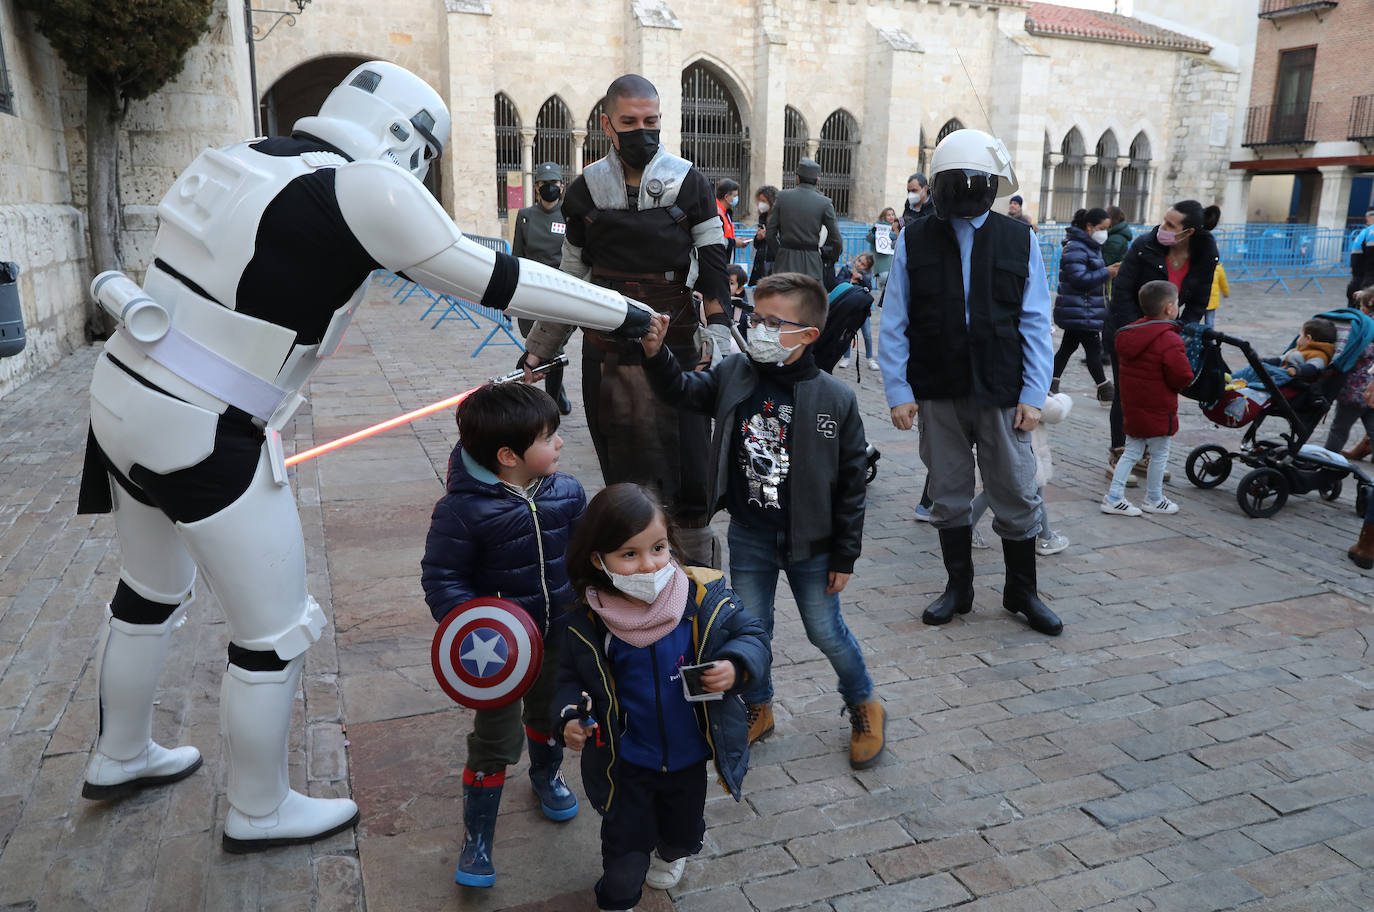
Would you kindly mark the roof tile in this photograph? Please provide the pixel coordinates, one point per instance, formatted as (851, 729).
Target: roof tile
(1068, 22)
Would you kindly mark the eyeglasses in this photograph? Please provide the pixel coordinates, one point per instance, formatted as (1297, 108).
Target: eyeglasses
(774, 323)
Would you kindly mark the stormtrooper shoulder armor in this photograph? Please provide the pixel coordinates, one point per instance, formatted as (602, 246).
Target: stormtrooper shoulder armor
(398, 221)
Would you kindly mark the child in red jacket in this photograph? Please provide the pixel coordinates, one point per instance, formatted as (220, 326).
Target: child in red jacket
(1154, 368)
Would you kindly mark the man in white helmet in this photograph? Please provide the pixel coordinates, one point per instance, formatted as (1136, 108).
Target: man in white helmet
(966, 354)
(264, 250)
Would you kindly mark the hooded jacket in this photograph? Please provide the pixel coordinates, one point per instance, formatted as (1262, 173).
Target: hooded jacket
(720, 629)
(1080, 303)
(1154, 369)
(1118, 242)
(488, 538)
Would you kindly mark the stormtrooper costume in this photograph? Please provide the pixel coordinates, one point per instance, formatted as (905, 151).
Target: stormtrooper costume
(264, 250)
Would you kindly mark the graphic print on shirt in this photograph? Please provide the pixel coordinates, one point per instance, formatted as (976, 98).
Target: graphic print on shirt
(764, 457)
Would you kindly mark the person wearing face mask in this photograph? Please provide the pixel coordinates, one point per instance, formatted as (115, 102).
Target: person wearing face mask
(539, 232)
(794, 227)
(788, 464)
(1080, 308)
(764, 200)
(1181, 251)
(727, 198)
(917, 197)
(645, 223)
(966, 354)
(634, 698)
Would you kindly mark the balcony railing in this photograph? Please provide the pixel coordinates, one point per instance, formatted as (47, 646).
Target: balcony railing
(1280, 125)
(1275, 9)
(1362, 119)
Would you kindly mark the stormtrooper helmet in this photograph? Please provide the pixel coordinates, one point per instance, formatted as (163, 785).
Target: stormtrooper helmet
(969, 170)
(382, 111)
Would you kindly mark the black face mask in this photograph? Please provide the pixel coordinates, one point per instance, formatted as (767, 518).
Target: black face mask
(637, 147)
(962, 193)
(550, 193)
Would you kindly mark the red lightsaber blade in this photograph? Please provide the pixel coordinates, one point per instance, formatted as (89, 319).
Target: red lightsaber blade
(411, 416)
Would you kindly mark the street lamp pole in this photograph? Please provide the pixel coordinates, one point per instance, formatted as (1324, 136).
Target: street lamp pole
(252, 31)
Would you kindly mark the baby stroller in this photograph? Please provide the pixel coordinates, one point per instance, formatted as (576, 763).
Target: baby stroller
(1289, 465)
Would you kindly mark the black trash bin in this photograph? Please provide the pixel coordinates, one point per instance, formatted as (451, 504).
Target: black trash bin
(11, 314)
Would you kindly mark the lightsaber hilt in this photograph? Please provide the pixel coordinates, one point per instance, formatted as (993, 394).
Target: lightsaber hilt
(519, 372)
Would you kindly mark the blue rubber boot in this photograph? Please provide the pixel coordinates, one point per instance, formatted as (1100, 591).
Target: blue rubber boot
(481, 798)
(546, 776)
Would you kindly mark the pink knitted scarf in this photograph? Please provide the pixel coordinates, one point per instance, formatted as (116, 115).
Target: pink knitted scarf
(637, 625)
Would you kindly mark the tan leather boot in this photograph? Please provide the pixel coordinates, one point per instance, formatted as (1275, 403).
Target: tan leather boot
(1358, 451)
(867, 738)
(1113, 455)
(760, 721)
(1363, 552)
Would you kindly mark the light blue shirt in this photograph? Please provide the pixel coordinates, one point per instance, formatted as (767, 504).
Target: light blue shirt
(1037, 351)
(1366, 236)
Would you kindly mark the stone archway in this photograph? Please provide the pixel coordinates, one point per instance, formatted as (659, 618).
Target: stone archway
(300, 91)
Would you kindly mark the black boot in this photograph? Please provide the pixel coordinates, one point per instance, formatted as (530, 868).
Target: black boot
(546, 776)
(481, 800)
(1019, 595)
(956, 546)
(553, 385)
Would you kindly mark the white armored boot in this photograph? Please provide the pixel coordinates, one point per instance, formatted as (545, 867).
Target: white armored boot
(264, 812)
(126, 758)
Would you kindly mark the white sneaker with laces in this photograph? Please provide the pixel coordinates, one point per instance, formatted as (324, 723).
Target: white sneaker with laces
(664, 875)
(1163, 505)
(1052, 545)
(873, 364)
(979, 541)
(843, 362)
(1122, 507)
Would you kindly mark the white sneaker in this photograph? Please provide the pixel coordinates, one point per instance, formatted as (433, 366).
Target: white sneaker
(1163, 505)
(922, 513)
(979, 541)
(843, 362)
(1052, 545)
(1122, 507)
(873, 364)
(664, 875)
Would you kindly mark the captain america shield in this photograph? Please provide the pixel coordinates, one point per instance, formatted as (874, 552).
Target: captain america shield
(486, 653)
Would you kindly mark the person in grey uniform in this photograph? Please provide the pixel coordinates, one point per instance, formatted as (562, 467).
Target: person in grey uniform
(539, 232)
(794, 227)
(966, 353)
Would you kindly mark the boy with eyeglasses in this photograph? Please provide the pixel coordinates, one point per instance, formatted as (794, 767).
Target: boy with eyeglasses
(788, 465)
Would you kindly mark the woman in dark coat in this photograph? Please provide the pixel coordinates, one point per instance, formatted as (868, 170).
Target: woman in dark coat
(764, 201)
(1179, 250)
(1080, 307)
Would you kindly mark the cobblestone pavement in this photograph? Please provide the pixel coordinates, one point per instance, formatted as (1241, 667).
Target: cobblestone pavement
(1201, 737)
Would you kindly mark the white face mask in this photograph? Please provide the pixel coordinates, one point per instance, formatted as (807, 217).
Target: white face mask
(914, 198)
(1100, 236)
(765, 345)
(763, 207)
(643, 586)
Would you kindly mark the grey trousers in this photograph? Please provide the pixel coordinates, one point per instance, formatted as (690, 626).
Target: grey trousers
(950, 430)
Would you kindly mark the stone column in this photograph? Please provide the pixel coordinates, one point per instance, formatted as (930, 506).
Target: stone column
(1235, 205)
(770, 103)
(1021, 76)
(579, 144)
(653, 48)
(470, 90)
(890, 122)
(1334, 201)
(527, 163)
(1056, 159)
(1087, 166)
(812, 145)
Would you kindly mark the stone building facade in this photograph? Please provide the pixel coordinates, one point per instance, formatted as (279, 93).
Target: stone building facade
(1096, 108)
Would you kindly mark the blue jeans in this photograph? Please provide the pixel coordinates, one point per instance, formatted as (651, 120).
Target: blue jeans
(1154, 475)
(756, 556)
(1209, 319)
(868, 340)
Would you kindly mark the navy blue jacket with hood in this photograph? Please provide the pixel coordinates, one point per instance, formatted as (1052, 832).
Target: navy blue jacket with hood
(488, 538)
(1080, 303)
(719, 629)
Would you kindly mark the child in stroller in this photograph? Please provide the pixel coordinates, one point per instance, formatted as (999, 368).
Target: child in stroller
(1278, 467)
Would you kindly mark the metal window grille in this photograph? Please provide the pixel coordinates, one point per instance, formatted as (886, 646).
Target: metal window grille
(838, 149)
(713, 136)
(1135, 193)
(553, 139)
(507, 148)
(1068, 177)
(1361, 119)
(794, 137)
(6, 90)
(1102, 175)
(950, 126)
(598, 145)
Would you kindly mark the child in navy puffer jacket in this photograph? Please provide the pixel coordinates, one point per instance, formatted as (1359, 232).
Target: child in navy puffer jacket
(500, 531)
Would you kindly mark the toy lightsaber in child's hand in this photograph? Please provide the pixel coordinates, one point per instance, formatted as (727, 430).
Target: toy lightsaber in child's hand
(518, 374)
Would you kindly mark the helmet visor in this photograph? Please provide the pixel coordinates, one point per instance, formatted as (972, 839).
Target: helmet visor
(963, 193)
